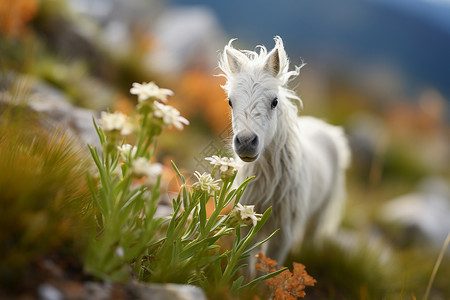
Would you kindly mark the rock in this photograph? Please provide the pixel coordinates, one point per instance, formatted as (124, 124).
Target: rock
(136, 291)
(423, 214)
(117, 22)
(52, 104)
(163, 292)
(96, 290)
(49, 292)
(186, 37)
(73, 42)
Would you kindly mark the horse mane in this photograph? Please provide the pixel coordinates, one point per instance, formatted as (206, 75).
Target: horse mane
(254, 61)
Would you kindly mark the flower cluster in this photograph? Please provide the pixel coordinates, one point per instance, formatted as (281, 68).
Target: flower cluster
(150, 98)
(169, 115)
(206, 183)
(227, 166)
(141, 167)
(116, 122)
(244, 214)
(127, 151)
(147, 123)
(148, 92)
(286, 285)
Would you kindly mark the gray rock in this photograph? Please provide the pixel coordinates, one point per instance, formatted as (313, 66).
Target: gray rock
(96, 290)
(52, 105)
(163, 292)
(423, 214)
(186, 37)
(114, 23)
(140, 291)
(49, 292)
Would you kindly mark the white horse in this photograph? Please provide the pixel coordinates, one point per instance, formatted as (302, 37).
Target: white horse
(298, 162)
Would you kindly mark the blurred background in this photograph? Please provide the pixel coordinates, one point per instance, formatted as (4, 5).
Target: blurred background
(379, 68)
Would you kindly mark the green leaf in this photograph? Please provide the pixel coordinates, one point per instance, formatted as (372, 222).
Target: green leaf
(100, 133)
(132, 197)
(237, 238)
(94, 193)
(229, 198)
(191, 251)
(252, 283)
(94, 154)
(237, 268)
(218, 223)
(191, 230)
(202, 215)
(236, 284)
(242, 257)
(261, 242)
(242, 246)
(172, 223)
(217, 268)
(178, 172)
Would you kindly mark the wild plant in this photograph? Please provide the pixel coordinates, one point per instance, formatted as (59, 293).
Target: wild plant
(185, 247)
(44, 198)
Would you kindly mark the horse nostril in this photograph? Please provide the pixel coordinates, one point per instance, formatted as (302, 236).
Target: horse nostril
(237, 140)
(254, 140)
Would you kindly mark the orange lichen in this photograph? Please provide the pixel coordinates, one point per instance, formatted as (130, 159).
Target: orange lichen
(286, 285)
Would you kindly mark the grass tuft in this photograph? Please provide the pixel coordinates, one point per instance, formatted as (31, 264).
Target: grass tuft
(355, 269)
(44, 197)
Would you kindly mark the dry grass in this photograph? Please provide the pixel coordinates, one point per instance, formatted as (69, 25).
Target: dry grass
(43, 192)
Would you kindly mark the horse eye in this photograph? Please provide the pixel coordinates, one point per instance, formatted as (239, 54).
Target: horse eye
(229, 102)
(274, 103)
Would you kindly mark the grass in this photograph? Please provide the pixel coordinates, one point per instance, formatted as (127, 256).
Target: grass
(44, 198)
(351, 270)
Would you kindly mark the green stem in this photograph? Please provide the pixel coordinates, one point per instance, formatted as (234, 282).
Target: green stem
(436, 266)
(219, 205)
(142, 135)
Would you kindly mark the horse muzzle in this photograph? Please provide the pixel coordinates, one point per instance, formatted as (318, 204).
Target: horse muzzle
(246, 146)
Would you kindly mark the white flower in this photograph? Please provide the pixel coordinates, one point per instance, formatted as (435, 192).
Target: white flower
(139, 166)
(120, 252)
(118, 122)
(169, 115)
(247, 214)
(150, 91)
(126, 150)
(142, 167)
(206, 182)
(226, 165)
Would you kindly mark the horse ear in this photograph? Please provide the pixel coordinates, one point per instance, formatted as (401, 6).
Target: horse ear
(234, 59)
(273, 62)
